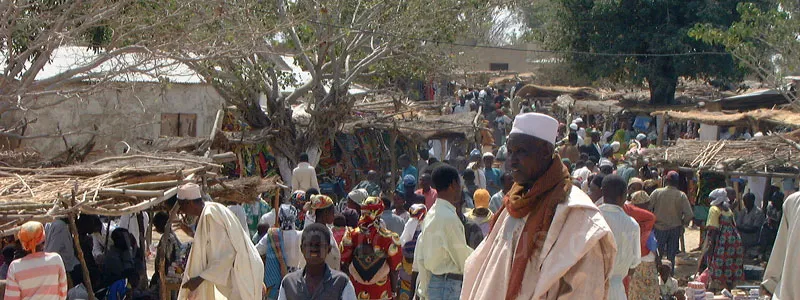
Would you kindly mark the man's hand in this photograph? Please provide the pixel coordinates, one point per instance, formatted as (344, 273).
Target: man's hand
(193, 283)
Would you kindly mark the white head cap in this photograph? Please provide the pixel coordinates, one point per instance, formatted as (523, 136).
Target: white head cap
(536, 125)
(641, 136)
(573, 126)
(577, 120)
(358, 196)
(189, 191)
(488, 154)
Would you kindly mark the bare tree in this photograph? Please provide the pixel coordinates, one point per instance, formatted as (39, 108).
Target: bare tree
(337, 42)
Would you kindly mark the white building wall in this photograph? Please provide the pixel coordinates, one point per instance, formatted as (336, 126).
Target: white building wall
(121, 112)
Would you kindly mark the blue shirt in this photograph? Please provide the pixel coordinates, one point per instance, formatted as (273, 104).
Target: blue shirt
(493, 176)
(411, 170)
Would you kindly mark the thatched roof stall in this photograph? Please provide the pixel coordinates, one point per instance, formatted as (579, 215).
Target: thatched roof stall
(419, 127)
(775, 155)
(775, 117)
(587, 107)
(532, 91)
(111, 186)
(512, 79)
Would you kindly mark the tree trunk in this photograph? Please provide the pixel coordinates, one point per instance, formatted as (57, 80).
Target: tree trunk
(662, 81)
(662, 90)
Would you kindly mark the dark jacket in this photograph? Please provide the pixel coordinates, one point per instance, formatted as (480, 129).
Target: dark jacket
(332, 286)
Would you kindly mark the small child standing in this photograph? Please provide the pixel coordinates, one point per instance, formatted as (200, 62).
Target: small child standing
(316, 280)
(668, 285)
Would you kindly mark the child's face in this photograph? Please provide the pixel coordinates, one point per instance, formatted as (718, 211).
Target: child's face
(315, 248)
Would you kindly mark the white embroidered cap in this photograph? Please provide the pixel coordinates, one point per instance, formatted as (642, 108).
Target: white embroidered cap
(536, 125)
(189, 191)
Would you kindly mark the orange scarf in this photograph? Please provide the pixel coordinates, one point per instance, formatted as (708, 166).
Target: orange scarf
(539, 204)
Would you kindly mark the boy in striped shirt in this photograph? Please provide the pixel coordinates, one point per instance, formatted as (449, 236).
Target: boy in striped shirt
(38, 275)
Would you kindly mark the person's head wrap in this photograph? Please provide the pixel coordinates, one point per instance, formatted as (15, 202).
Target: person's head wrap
(30, 235)
(573, 126)
(641, 137)
(475, 153)
(409, 180)
(640, 197)
(481, 198)
(287, 215)
(318, 202)
(189, 191)
(615, 146)
(718, 197)
(298, 197)
(358, 196)
(673, 176)
(607, 150)
(371, 209)
(634, 180)
(537, 125)
(418, 211)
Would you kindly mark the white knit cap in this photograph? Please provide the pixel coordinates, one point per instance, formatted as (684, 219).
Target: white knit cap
(358, 196)
(573, 126)
(578, 120)
(189, 191)
(536, 125)
(488, 154)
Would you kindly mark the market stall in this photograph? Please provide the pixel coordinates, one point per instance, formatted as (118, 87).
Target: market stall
(112, 187)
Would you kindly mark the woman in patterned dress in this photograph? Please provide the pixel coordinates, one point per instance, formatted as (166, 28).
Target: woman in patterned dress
(371, 254)
(724, 251)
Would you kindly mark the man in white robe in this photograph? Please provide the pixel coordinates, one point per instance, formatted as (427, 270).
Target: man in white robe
(782, 274)
(572, 259)
(223, 261)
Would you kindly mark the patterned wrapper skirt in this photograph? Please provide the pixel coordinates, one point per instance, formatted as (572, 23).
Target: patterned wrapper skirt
(644, 284)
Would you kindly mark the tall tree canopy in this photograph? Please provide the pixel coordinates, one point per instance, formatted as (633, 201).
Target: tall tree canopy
(591, 32)
(764, 40)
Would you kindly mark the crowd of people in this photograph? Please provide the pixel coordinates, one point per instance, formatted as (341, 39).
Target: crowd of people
(556, 218)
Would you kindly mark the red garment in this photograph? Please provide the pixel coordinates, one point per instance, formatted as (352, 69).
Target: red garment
(646, 222)
(383, 240)
(430, 197)
(338, 234)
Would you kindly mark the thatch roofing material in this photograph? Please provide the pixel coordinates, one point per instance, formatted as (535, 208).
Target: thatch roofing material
(778, 117)
(112, 186)
(537, 91)
(766, 154)
(592, 107)
(420, 127)
(512, 78)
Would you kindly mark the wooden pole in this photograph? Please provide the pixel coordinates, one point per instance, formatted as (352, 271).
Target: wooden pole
(87, 280)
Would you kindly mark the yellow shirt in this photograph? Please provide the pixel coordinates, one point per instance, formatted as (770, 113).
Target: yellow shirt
(441, 246)
(713, 216)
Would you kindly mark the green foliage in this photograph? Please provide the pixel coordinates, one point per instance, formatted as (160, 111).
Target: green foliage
(764, 39)
(641, 27)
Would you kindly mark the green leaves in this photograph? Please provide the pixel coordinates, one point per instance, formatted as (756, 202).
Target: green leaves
(643, 28)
